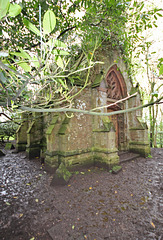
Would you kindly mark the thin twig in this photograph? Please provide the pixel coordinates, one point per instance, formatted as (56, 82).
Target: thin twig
(112, 104)
(9, 118)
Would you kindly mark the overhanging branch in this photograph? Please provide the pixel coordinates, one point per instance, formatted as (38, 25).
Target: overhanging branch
(8, 118)
(89, 112)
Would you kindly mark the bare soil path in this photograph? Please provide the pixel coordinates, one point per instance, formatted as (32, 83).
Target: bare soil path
(96, 204)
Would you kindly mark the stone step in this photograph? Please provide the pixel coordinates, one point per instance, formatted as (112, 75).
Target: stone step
(127, 156)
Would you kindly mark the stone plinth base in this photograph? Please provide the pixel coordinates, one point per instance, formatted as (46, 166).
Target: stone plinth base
(33, 152)
(51, 160)
(107, 157)
(20, 147)
(140, 147)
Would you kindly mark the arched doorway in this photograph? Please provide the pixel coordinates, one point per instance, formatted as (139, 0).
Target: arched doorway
(116, 90)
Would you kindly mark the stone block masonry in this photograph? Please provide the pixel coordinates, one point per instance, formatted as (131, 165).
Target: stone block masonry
(79, 139)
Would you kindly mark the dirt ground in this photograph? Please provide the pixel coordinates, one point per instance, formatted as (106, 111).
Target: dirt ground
(95, 204)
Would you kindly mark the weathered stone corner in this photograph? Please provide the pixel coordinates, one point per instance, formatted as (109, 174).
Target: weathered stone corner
(21, 135)
(34, 136)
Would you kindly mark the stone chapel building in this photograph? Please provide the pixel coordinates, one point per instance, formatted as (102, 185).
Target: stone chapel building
(83, 138)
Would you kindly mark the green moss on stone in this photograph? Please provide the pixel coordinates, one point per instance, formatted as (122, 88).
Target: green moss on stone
(64, 126)
(105, 119)
(133, 90)
(30, 127)
(73, 153)
(62, 172)
(66, 120)
(52, 124)
(62, 129)
(54, 120)
(104, 150)
(143, 149)
(137, 128)
(9, 146)
(101, 130)
(97, 80)
(107, 125)
(20, 147)
(116, 169)
(139, 143)
(51, 162)
(49, 130)
(78, 160)
(107, 159)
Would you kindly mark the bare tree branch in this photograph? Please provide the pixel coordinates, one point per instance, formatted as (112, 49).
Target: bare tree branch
(8, 118)
(89, 112)
(112, 104)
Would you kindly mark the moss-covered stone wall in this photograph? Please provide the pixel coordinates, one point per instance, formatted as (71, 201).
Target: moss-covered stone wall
(77, 139)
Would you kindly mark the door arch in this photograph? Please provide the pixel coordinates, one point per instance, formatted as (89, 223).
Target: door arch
(116, 90)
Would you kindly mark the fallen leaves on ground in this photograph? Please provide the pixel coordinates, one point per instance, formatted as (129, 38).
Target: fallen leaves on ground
(28, 184)
(152, 224)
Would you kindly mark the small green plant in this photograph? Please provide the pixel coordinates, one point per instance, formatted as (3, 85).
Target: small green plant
(149, 156)
(7, 130)
(115, 169)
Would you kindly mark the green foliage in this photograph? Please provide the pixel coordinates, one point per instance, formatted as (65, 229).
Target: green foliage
(4, 5)
(160, 66)
(39, 75)
(115, 169)
(103, 19)
(49, 22)
(30, 64)
(7, 8)
(48, 58)
(31, 27)
(8, 129)
(161, 70)
(149, 156)
(14, 10)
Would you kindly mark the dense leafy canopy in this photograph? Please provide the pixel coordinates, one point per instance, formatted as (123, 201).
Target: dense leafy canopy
(44, 40)
(105, 19)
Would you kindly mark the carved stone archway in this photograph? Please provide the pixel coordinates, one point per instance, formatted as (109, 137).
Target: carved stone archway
(116, 90)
